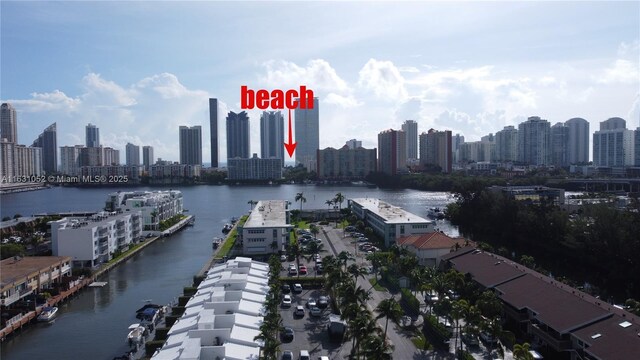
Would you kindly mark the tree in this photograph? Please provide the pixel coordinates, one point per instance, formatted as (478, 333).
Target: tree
(389, 309)
(251, 203)
(528, 261)
(357, 271)
(339, 199)
(376, 347)
(313, 228)
(300, 197)
(521, 352)
(458, 310)
(329, 203)
(489, 304)
(345, 256)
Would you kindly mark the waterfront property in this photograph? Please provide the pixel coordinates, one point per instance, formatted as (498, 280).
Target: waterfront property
(155, 206)
(388, 221)
(430, 247)
(21, 276)
(255, 168)
(558, 320)
(223, 318)
(93, 240)
(532, 194)
(267, 228)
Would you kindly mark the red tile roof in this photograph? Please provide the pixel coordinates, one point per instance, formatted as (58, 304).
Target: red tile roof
(433, 240)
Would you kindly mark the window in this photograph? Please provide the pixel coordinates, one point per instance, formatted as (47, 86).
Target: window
(275, 233)
(401, 229)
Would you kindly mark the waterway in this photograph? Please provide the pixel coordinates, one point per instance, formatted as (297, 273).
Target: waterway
(94, 324)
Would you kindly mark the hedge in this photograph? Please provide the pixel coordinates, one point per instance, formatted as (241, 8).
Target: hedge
(151, 346)
(410, 300)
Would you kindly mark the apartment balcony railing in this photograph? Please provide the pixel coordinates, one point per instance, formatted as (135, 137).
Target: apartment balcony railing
(554, 342)
(6, 301)
(102, 231)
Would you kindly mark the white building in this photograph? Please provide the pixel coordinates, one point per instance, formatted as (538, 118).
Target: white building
(155, 206)
(267, 228)
(93, 240)
(388, 221)
(613, 144)
(223, 318)
(254, 168)
(132, 153)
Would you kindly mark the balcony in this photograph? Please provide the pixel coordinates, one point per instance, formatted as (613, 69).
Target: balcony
(557, 344)
(10, 299)
(102, 231)
(103, 250)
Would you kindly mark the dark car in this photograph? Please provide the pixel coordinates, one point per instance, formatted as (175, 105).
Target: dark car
(286, 289)
(287, 334)
(323, 302)
(287, 355)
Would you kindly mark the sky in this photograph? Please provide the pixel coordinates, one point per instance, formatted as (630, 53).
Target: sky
(138, 70)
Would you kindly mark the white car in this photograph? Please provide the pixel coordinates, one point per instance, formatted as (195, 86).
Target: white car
(286, 301)
(304, 355)
(299, 311)
(297, 288)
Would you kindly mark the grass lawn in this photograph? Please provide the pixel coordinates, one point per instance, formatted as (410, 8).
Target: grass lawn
(132, 249)
(230, 241)
(376, 285)
(421, 342)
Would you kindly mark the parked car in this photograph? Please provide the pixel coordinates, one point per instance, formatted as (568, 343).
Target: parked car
(286, 301)
(304, 355)
(293, 271)
(323, 302)
(486, 337)
(286, 288)
(311, 303)
(283, 257)
(297, 288)
(287, 355)
(470, 340)
(299, 311)
(315, 311)
(303, 270)
(287, 334)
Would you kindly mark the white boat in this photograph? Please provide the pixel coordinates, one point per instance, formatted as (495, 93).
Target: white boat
(48, 313)
(216, 242)
(435, 213)
(136, 334)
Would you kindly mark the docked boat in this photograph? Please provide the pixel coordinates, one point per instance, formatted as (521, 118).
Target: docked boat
(136, 334)
(227, 228)
(435, 213)
(216, 242)
(140, 312)
(48, 314)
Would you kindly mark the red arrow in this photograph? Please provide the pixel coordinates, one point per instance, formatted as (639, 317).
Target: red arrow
(291, 145)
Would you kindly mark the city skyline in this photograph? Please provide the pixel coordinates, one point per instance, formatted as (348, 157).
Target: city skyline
(554, 60)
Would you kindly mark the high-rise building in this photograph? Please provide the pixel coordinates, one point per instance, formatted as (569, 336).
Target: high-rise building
(436, 150)
(392, 151)
(353, 144)
(507, 144)
(27, 160)
(91, 156)
(48, 142)
(7, 157)
(307, 122)
(636, 146)
(578, 141)
(272, 135)
(147, 157)
(132, 153)
(456, 141)
(254, 168)
(346, 163)
(410, 128)
(613, 144)
(534, 141)
(70, 159)
(110, 156)
(8, 123)
(213, 129)
(559, 142)
(190, 145)
(477, 151)
(238, 145)
(92, 135)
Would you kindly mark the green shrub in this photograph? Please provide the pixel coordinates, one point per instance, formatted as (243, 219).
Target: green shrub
(189, 291)
(151, 346)
(410, 300)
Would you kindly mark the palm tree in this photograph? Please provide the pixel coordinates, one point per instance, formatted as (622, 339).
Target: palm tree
(389, 309)
(313, 228)
(339, 199)
(458, 309)
(376, 347)
(329, 203)
(300, 197)
(521, 352)
(357, 271)
(251, 203)
(345, 256)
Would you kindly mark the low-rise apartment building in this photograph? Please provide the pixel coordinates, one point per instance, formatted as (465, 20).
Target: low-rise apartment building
(223, 318)
(92, 240)
(21, 276)
(266, 231)
(155, 206)
(254, 168)
(389, 221)
(430, 247)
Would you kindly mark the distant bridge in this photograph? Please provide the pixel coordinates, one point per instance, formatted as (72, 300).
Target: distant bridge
(613, 184)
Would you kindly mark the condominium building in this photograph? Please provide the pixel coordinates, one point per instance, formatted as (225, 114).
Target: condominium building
(123, 173)
(507, 144)
(392, 152)
(213, 130)
(477, 151)
(266, 231)
(238, 144)
(559, 143)
(223, 318)
(578, 141)
(272, 135)
(48, 142)
(8, 123)
(613, 144)
(93, 240)
(110, 156)
(132, 154)
(7, 167)
(346, 163)
(162, 173)
(353, 144)
(410, 128)
(92, 136)
(534, 142)
(307, 125)
(254, 168)
(436, 150)
(190, 145)
(27, 161)
(22, 276)
(636, 146)
(389, 221)
(147, 157)
(70, 160)
(154, 206)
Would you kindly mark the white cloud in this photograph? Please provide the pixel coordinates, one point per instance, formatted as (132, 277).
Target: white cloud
(318, 75)
(621, 71)
(384, 79)
(342, 101)
(409, 69)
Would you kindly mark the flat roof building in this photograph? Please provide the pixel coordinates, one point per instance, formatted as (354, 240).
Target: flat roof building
(430, 247)
(21, 276)
(267, 228)
(389, 221)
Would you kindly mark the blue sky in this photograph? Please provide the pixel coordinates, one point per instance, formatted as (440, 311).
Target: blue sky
(138, 70)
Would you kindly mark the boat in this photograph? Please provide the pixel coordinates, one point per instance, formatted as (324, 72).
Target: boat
(48, 313)
(227, 228)
(216, 242)
(140, 312)
(136, 334)
(234, 220)
(435, 213)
